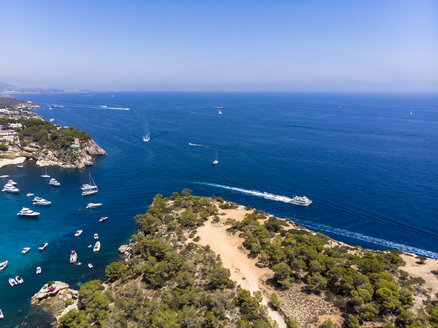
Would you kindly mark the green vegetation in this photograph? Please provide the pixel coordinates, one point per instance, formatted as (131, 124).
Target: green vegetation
(3, 147)
(361, 283)
(168, 281)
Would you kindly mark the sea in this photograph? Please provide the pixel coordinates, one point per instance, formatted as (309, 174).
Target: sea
(369, 163)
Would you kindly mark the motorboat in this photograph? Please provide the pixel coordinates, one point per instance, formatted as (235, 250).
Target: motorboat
(19, 280)
(55, 183)
(96, 236)
(29, 194)
(3, 265)
(103, 218)
(27, 212)
(78, 233)
(38, 270)
(90, 265)
(11, 182)
(10, 189)
(216, 160)
(89, 246)
(41, 201)
(43, 246)
(1, 314)
(20, 166)
(4, 176)
(45, 175)
(89, 188)
(25, 250)
(12, 282)
(94, 205)
(96, 247)
(73, 257)
(146, 138)
(301, 201)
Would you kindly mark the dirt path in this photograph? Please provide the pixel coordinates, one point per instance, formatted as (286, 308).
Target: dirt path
(243, 269)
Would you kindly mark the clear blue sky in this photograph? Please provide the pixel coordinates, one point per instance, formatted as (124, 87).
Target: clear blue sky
(369, 45)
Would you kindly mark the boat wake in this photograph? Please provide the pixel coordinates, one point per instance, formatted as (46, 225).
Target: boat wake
(372, 240)
(117, 108)
(146, 138)
(197, 145)
(265, 195)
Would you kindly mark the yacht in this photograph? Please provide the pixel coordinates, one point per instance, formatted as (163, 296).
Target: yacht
(89, 188)
(96, 236)
(29, 194)
(10, 189)
(301, 201)
(43, 246)
(38, 270)
(27, 212)
(54, 183)
(3, 265)
(19, 280)
(41, 201)
(78, 233)
(103, 218)
(73, 257)
(25, 250)
(216, 161)
(45, 175)
(12, 282)
(96, 247)
(90, 265)
(94, 205)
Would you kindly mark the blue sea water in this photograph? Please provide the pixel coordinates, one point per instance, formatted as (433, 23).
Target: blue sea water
(368, 164)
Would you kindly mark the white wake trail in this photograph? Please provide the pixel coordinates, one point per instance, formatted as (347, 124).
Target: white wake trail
(265, 195)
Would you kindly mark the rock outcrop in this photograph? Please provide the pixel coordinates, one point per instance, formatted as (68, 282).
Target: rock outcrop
(56, 298)
(125, 250)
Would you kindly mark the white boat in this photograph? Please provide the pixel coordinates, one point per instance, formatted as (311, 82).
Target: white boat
(89, 246)
(96, 236)
(55, 183)
(90, 265)
(1, 314)
(4, 176)
(27, 212)
(11, 182)
(19, 280)
(29, 194)
(94, 205)
(146, 138)
(103, 218)
(79, 263)
(43, 246)
(38, 270)
(20, 166)
(25, 250)
(12, 282)
(73, 257)
(216, 161)
(41, 201)
(10, 189)
(45, 175)
(96, 247)
(89, 188)
(3, 265)
(78, 233)
(301, 201)
(51, 120)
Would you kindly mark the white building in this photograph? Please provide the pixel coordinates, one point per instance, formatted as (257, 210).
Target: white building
(8, 135)
(15, 125)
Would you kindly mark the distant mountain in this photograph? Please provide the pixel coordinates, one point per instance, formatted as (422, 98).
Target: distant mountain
(7, 87)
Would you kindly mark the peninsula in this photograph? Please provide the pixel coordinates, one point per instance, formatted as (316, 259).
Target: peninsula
(26, 136)
(207, 262)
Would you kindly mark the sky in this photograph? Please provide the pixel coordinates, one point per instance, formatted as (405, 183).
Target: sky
(237, 45)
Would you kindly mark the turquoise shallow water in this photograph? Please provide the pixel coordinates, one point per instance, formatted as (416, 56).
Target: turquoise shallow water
(368, 165)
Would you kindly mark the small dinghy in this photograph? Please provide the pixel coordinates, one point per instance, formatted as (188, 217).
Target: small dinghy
(103, 218)
(79, 263)
(25, 250)
(29, 194)
(19, 280)
(12, 282)
(90, 265)
(96, 247)
(43, 246)
(73, 257)
(38, 270)
(96, 236)
(3, 265)
(78, 233)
